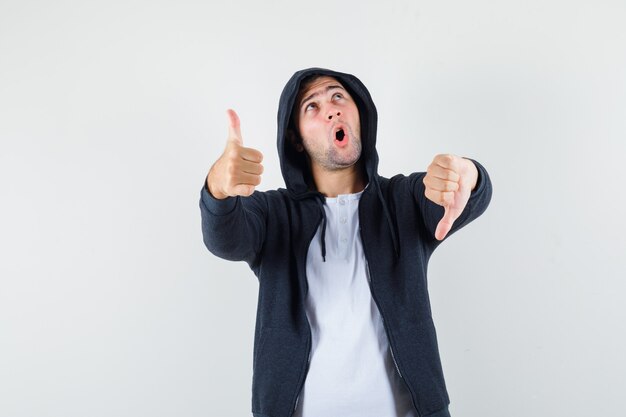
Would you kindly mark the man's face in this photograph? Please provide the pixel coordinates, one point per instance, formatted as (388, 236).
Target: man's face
(329, 124)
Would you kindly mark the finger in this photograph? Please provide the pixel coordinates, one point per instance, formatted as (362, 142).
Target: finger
(444, 225)
(251, 155)
(447, 161)
(438, 171)
(244, 190)
(251, 168)
(247, 179)
(439, 184)
(234, 128)
(438, 197)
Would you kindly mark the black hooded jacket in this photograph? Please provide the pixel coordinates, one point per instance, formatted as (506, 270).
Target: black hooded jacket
(272, 231)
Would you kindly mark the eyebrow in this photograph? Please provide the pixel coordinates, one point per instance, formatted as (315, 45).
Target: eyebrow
(328, 88)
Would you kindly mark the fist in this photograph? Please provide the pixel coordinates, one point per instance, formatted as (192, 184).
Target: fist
(238, 171)
(449, 182)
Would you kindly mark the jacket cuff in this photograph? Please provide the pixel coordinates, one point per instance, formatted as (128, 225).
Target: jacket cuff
(215, 206)
(481, 180)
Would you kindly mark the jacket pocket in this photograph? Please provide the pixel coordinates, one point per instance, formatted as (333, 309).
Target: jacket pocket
(278, 365)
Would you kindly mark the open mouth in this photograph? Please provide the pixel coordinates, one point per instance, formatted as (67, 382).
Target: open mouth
(339, 135)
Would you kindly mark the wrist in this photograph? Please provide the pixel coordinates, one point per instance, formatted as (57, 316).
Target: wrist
(212, 189)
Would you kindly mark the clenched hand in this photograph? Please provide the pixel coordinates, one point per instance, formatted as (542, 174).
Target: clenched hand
(449, 182)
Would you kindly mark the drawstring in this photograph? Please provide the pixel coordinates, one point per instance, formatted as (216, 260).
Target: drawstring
(324, 240)
(320, 199)
(323, 230)
(394, 235)
(392, 229)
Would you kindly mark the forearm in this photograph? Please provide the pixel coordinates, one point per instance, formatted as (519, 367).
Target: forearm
(229, 229)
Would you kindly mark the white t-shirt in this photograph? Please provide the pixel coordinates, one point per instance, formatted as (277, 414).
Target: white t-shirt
(351, 371)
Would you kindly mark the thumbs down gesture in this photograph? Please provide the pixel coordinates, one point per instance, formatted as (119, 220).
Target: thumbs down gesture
(449, 181)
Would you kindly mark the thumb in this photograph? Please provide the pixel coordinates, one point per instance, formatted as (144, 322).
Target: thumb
(234, 129)
(445, 224)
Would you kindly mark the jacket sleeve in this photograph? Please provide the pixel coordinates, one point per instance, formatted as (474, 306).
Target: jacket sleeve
(432, 213)
(234, 228)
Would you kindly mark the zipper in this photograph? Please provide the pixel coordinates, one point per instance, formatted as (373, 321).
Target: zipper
(305, 373)
(393, 357)
(306, 292)
(369, 280)
(394, 361)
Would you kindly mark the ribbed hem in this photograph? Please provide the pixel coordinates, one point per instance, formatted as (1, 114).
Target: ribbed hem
(215, 206)
(441, 413)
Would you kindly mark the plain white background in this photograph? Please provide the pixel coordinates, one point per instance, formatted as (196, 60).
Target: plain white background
(112, 112)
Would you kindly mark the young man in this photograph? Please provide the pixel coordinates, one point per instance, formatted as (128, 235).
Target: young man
(344, 325)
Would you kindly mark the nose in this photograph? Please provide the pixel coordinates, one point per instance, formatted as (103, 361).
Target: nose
(333, 113)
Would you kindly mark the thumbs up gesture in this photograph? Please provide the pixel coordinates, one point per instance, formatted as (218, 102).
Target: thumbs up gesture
(449, 182)
(238, 171)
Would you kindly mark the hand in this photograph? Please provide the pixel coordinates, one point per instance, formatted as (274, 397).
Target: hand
(239, 169)
(449, 182)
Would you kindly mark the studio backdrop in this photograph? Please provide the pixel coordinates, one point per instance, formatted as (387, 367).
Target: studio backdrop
(112, 112)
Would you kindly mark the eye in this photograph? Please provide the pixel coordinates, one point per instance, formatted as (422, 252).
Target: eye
(337, 96)
(310, 106)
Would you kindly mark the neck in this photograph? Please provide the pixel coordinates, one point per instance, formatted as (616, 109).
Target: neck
(348, 180)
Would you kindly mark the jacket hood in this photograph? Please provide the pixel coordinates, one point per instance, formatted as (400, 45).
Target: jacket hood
(293, 164)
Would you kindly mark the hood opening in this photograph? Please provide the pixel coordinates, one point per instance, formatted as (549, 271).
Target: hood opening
(294, 164)
(294, 167)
